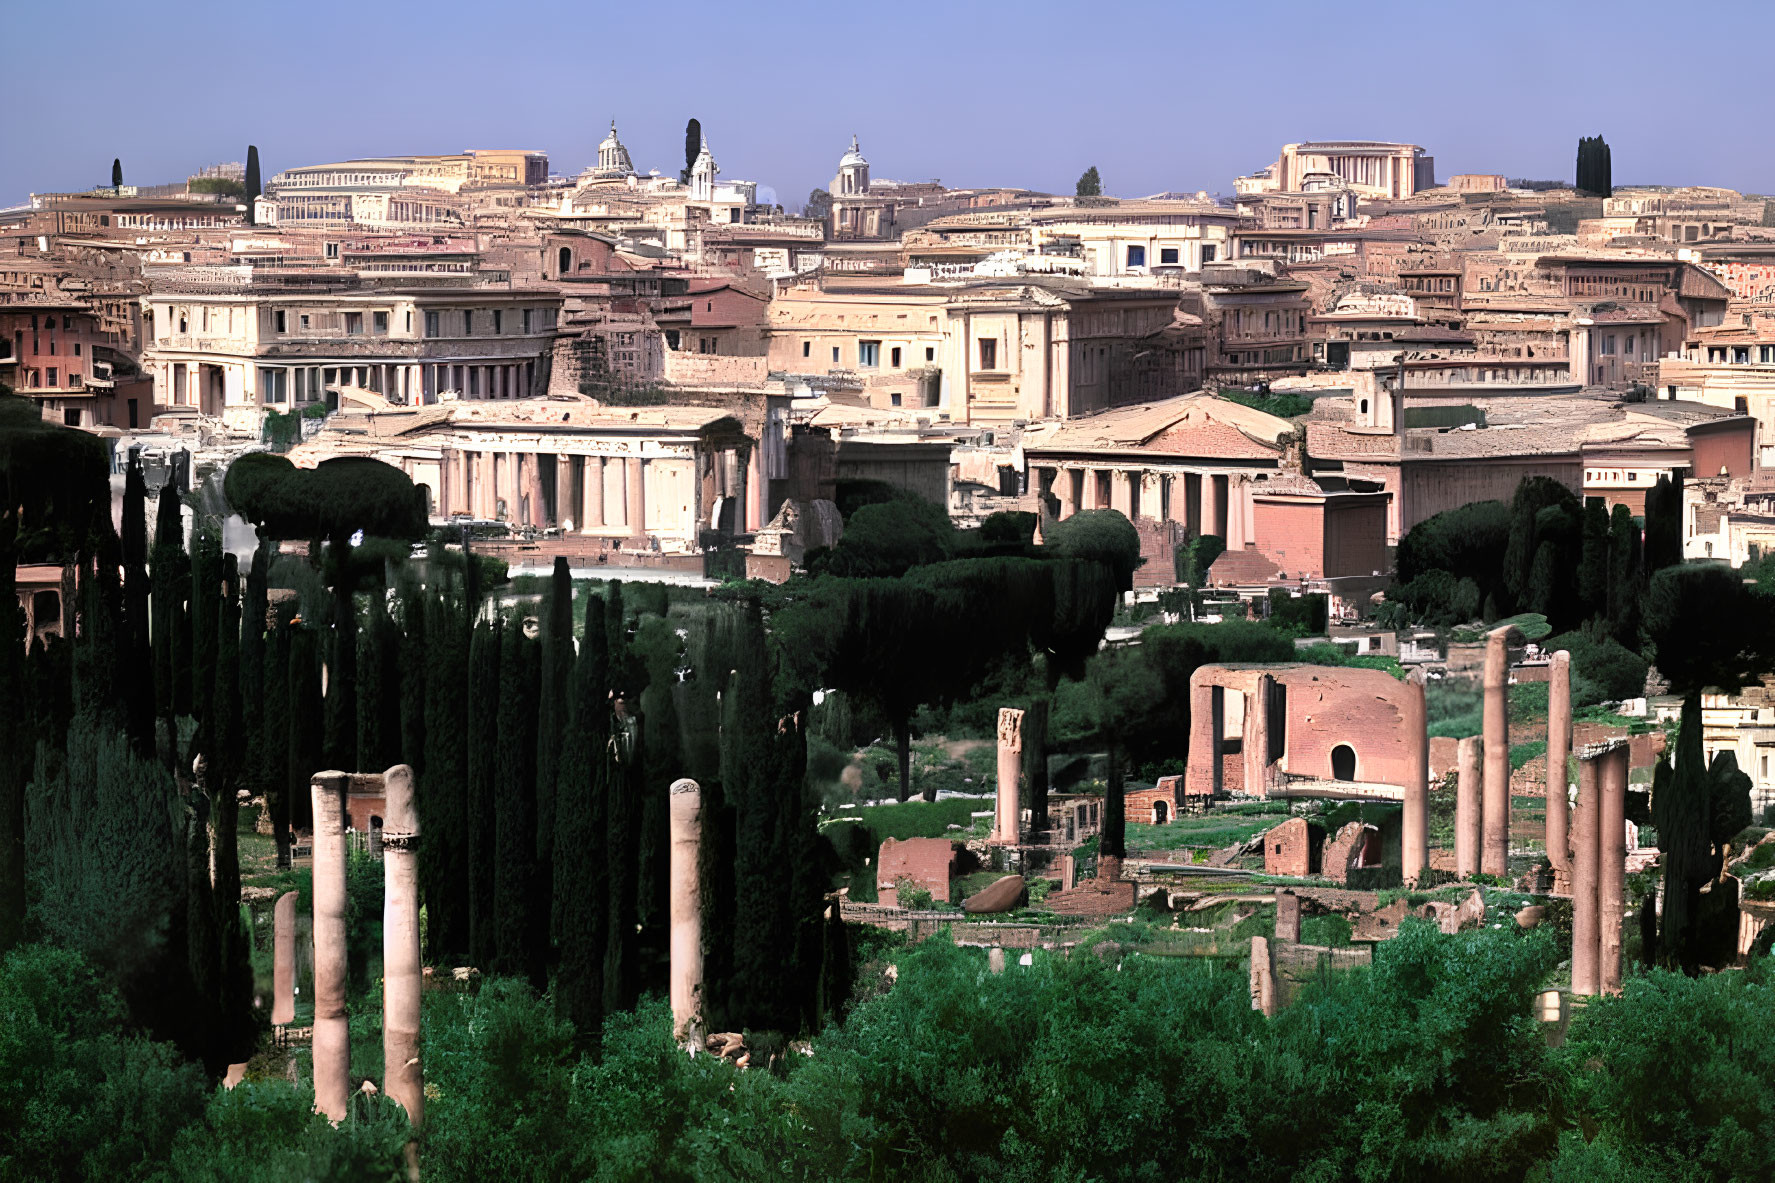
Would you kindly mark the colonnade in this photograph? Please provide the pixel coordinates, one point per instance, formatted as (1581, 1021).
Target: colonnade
(1204, 501)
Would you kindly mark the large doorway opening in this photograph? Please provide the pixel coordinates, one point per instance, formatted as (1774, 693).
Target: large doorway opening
(1343, 762)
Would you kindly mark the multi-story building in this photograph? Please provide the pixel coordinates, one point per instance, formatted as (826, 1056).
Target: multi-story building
(234, 342)
(1256, 325)
(1371, 168)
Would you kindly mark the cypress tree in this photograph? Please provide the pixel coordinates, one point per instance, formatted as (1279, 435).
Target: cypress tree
(116, 172)
(663, 762)
(274, 735)
(483, 750)
(693, 146)
(1090, 184)
(252, 180)
(1113, 837)
(341, 696)
(307, 728)
(517, 947)
(1035, 761)
(1664, 534)
(444, 867)
(626, 778)
(552, 707)
(255, 606)
(238, 1030)
(379, 690)
(581, 909)
(138, 690)
(172, 632)
(1593, 560)
(1625, 582)
(206, 582)
(411, 670)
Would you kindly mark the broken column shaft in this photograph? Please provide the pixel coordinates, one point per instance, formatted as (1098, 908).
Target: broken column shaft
(283, 960)
(402, 1079)
(1585, 851)
(1007, 807)
(686, 814)
(1559, 747)
(332, 1036)
(1494, 848)
(1414, 839)
(1611, 875)
(1468, 806)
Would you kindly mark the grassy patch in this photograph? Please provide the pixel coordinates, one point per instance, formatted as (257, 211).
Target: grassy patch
(1522, 753)
(1330, 930)
(1207, 830)
(921, 819)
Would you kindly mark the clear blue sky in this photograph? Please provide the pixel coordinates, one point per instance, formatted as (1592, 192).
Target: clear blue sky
(1179, 95)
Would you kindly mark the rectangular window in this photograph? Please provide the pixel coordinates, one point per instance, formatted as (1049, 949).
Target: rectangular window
(474, 381)
(835, 355)
(379, 323)
(1207, 254)
(468, 322)
(304, 322)
(989, 353)
(498, 321)
(894, 357)
(409, 320)
(806, 348)
(354, 324)
(1167, 254)
(868, 354)
(431, 324)
(930, 353)
(526, 322)
(332, 250)
(280, 322)
(1136, 256)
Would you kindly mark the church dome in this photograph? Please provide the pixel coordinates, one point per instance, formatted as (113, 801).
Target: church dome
(610, 141)
(853, 158)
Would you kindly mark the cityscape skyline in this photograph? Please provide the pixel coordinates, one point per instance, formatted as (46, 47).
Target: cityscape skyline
(943, 119)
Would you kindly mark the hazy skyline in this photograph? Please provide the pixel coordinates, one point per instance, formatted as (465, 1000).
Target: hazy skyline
(1157, 96)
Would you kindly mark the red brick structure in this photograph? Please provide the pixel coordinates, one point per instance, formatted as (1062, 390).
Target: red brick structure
(928, 863)
(1294, 723)
(1355, 845)
(1093, 897)
(365, 804)
(1154, 806)
(1293, 849)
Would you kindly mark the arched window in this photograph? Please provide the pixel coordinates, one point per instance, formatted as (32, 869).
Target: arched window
(566, 264)
(1161, 812)
(1343, 762)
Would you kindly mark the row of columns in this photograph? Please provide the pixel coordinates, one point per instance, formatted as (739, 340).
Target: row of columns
(1204, 502)
(402, 974)
(1598, 870)
(598, 494)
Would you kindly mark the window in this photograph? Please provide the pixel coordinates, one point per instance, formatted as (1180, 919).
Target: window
(565, 264)
(431, 324)
(498, 321)
(280, 322)
(894, 357)
(930, 353)
(1136, 256)
(409, 320)
(468, 322)
(354, 324)
(379, 323)
(835, 355)
(1167, 254)
(1608, 345)
(332, 250)
(1207, 254)
(303, 322)
(869, 354)
(76, 349)
(989, 353)
(525, 322)
(806, 348)
(474, 381)
(894, 398)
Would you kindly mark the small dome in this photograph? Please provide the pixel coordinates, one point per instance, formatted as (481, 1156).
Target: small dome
(610, 141)
(853, 158)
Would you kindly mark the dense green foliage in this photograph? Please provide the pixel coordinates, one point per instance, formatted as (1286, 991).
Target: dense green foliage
(1090, 184)
(1595, 171)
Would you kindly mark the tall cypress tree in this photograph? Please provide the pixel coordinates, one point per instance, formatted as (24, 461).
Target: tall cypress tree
(1593, 559)
(552, 708)
(116, 172)
(253, 188)
(307, 753)
(443, 785)
(483, 753)
(379, 695)
(693, 146)
(1664, 532)
(171, 618)
(341, 657)
(274, 736)
(238, 1029)
(1625, 580)
(581, 909)
(627, 776)
(413, 671)
(206, 583)
(519, 947)
(138, 690)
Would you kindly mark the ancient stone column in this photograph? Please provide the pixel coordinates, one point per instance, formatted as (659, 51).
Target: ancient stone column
(686, 820)
(1007, 815)
(1494, 848)
(1559, 747)
(1068, 872)
(995, 960)
(1585, 939)
(1469, 809)
(1611, 860)
(1414, 841)
(332, 1038)
(1263, 978)
(402, 1079)
(283, 960)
